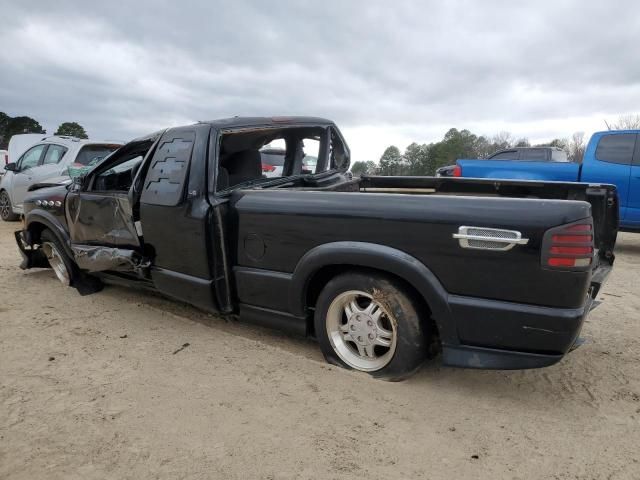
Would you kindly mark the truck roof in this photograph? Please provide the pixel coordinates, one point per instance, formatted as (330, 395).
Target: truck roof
(262, 121)
(607, 132)
(235, 122)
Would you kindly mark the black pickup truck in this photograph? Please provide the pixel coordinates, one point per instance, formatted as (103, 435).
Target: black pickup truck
(383, 271)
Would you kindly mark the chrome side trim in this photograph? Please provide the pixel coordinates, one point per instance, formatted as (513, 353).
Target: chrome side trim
(483, 238)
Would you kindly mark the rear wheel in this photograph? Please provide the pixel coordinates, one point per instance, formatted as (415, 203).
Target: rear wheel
(64, 268)
(370, 323)
(6, 212)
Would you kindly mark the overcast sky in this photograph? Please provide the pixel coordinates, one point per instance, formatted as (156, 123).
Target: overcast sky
(388, 72)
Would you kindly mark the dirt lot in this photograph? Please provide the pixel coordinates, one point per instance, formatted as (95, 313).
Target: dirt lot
(92, 387)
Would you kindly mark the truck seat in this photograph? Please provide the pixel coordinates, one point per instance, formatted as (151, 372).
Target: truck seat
(243, 166)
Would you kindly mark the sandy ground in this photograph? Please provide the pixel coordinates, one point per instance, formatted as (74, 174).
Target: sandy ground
(91, 388)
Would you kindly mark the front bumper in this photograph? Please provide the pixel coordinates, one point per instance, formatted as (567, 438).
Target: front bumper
(31, 257)
(503, 335)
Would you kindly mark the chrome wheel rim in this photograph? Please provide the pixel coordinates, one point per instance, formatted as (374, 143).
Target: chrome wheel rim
(5, 205)
(57, 263)
(361, 331)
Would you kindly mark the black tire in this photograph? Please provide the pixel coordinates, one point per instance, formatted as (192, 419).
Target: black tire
(48, 237)
(6, 212)
(399, 308)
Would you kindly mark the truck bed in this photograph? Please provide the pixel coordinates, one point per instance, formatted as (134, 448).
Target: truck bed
(602, 197)
(375, 209)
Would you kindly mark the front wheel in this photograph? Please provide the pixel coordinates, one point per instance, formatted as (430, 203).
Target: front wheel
(6, 212)
(64, 268)
(369, 322)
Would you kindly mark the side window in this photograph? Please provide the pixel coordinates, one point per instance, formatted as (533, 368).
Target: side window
(533, 154)
(510, 155)
(54, 154)
(165, 180)
(616, 148)
(31, 157)
(311, 149)
(118, 178)
(339, 157)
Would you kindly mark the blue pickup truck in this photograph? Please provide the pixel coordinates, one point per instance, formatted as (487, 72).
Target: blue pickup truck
(610, 157)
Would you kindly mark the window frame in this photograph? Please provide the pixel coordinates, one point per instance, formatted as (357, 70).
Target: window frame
(117, 164)
(88, 179)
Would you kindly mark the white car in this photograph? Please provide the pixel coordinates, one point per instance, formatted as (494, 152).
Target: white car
(46, 158)
(273, 162)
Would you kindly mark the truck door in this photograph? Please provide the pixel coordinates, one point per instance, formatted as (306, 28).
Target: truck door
(609, 161)
(25, 174)
(632, 216)
(174, 216)
(100, 212)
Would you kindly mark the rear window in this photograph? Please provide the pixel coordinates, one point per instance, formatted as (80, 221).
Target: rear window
(92, 154)
(533, 154)
(559, 156)
(616, 148)
(510, 155)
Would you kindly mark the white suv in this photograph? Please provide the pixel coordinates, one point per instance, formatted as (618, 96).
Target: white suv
(49, 158)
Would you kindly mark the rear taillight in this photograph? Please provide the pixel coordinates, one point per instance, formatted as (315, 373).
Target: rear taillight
(569, 247)
(457, 171)
(268, 168)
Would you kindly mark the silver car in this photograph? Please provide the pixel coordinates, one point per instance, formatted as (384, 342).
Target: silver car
(48, 158)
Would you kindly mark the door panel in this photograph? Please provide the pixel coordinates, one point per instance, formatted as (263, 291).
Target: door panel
(101, 219)
(174, 215)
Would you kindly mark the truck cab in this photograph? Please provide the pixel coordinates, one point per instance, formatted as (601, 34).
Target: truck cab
(614, 157)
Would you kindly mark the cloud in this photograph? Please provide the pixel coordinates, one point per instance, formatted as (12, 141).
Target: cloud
(386, 72)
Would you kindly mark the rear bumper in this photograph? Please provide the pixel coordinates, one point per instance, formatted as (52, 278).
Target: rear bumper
(504, 335)
(467, 356)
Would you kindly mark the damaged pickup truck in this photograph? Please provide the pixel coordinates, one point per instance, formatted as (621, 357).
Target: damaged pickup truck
(383, 271)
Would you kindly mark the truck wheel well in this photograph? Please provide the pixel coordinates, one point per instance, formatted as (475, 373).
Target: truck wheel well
(323, 275)
(36, 229)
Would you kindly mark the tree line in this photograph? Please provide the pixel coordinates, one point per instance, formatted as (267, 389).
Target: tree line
(425, 159)
(10, 126)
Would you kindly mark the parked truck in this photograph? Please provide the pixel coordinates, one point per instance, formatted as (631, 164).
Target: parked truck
(610, 157)
(383, 271)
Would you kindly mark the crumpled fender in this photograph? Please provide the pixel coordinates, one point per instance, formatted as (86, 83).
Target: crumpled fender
(94, 258)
